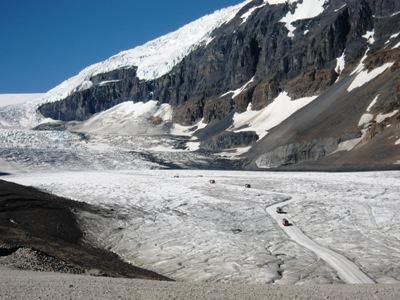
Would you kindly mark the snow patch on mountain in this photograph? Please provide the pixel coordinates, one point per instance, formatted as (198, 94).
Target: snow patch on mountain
(365, 119)
(265, 119)
(153, 59)
(308, 9)
(361, 67)
(372, 104)
(370, 36)
(340, 63)
(182, 130)
(382, 117)
(365, 76)
(240, 90)
(396, 46)
(340, 8)
(392, 37)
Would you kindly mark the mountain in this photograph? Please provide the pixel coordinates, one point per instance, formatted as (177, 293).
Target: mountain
(306, 84)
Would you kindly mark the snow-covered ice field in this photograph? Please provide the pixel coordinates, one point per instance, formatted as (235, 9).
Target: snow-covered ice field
(178, 224)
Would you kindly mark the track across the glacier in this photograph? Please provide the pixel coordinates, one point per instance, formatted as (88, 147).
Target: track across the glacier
(348, 271)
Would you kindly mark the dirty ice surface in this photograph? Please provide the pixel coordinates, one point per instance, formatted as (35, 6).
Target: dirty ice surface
(178, 224)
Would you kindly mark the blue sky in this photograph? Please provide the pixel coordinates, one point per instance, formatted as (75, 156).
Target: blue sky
(43, 42)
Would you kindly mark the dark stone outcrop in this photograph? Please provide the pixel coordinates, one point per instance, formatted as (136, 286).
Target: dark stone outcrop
(227, 140)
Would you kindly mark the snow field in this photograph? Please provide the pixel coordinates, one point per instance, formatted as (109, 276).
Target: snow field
(188, 229)
(176, 223)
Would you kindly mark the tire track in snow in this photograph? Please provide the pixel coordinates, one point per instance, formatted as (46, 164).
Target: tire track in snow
(346, 269)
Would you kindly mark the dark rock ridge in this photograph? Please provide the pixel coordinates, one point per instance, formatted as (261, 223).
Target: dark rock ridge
(261, 49)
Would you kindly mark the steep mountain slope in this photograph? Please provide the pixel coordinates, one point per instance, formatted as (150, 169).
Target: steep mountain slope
(315, 81)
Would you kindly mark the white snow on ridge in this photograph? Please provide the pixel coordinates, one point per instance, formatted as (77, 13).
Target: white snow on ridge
(308, 9)
(265, 119)
(12, 99)
(247, 14)
(153, 59)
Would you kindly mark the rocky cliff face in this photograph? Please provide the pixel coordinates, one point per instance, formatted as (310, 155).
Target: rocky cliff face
(261, 58)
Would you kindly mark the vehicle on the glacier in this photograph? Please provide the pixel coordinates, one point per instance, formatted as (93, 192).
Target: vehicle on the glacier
(279, 210)
(285, 222)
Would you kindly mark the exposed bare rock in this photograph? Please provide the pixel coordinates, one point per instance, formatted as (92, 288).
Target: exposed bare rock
(310, 83)
(227, 140)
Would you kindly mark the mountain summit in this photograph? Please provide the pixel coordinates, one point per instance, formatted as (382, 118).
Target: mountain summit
(307, 84)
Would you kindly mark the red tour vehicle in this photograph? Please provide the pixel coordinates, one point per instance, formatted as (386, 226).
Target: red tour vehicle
(285, 222)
